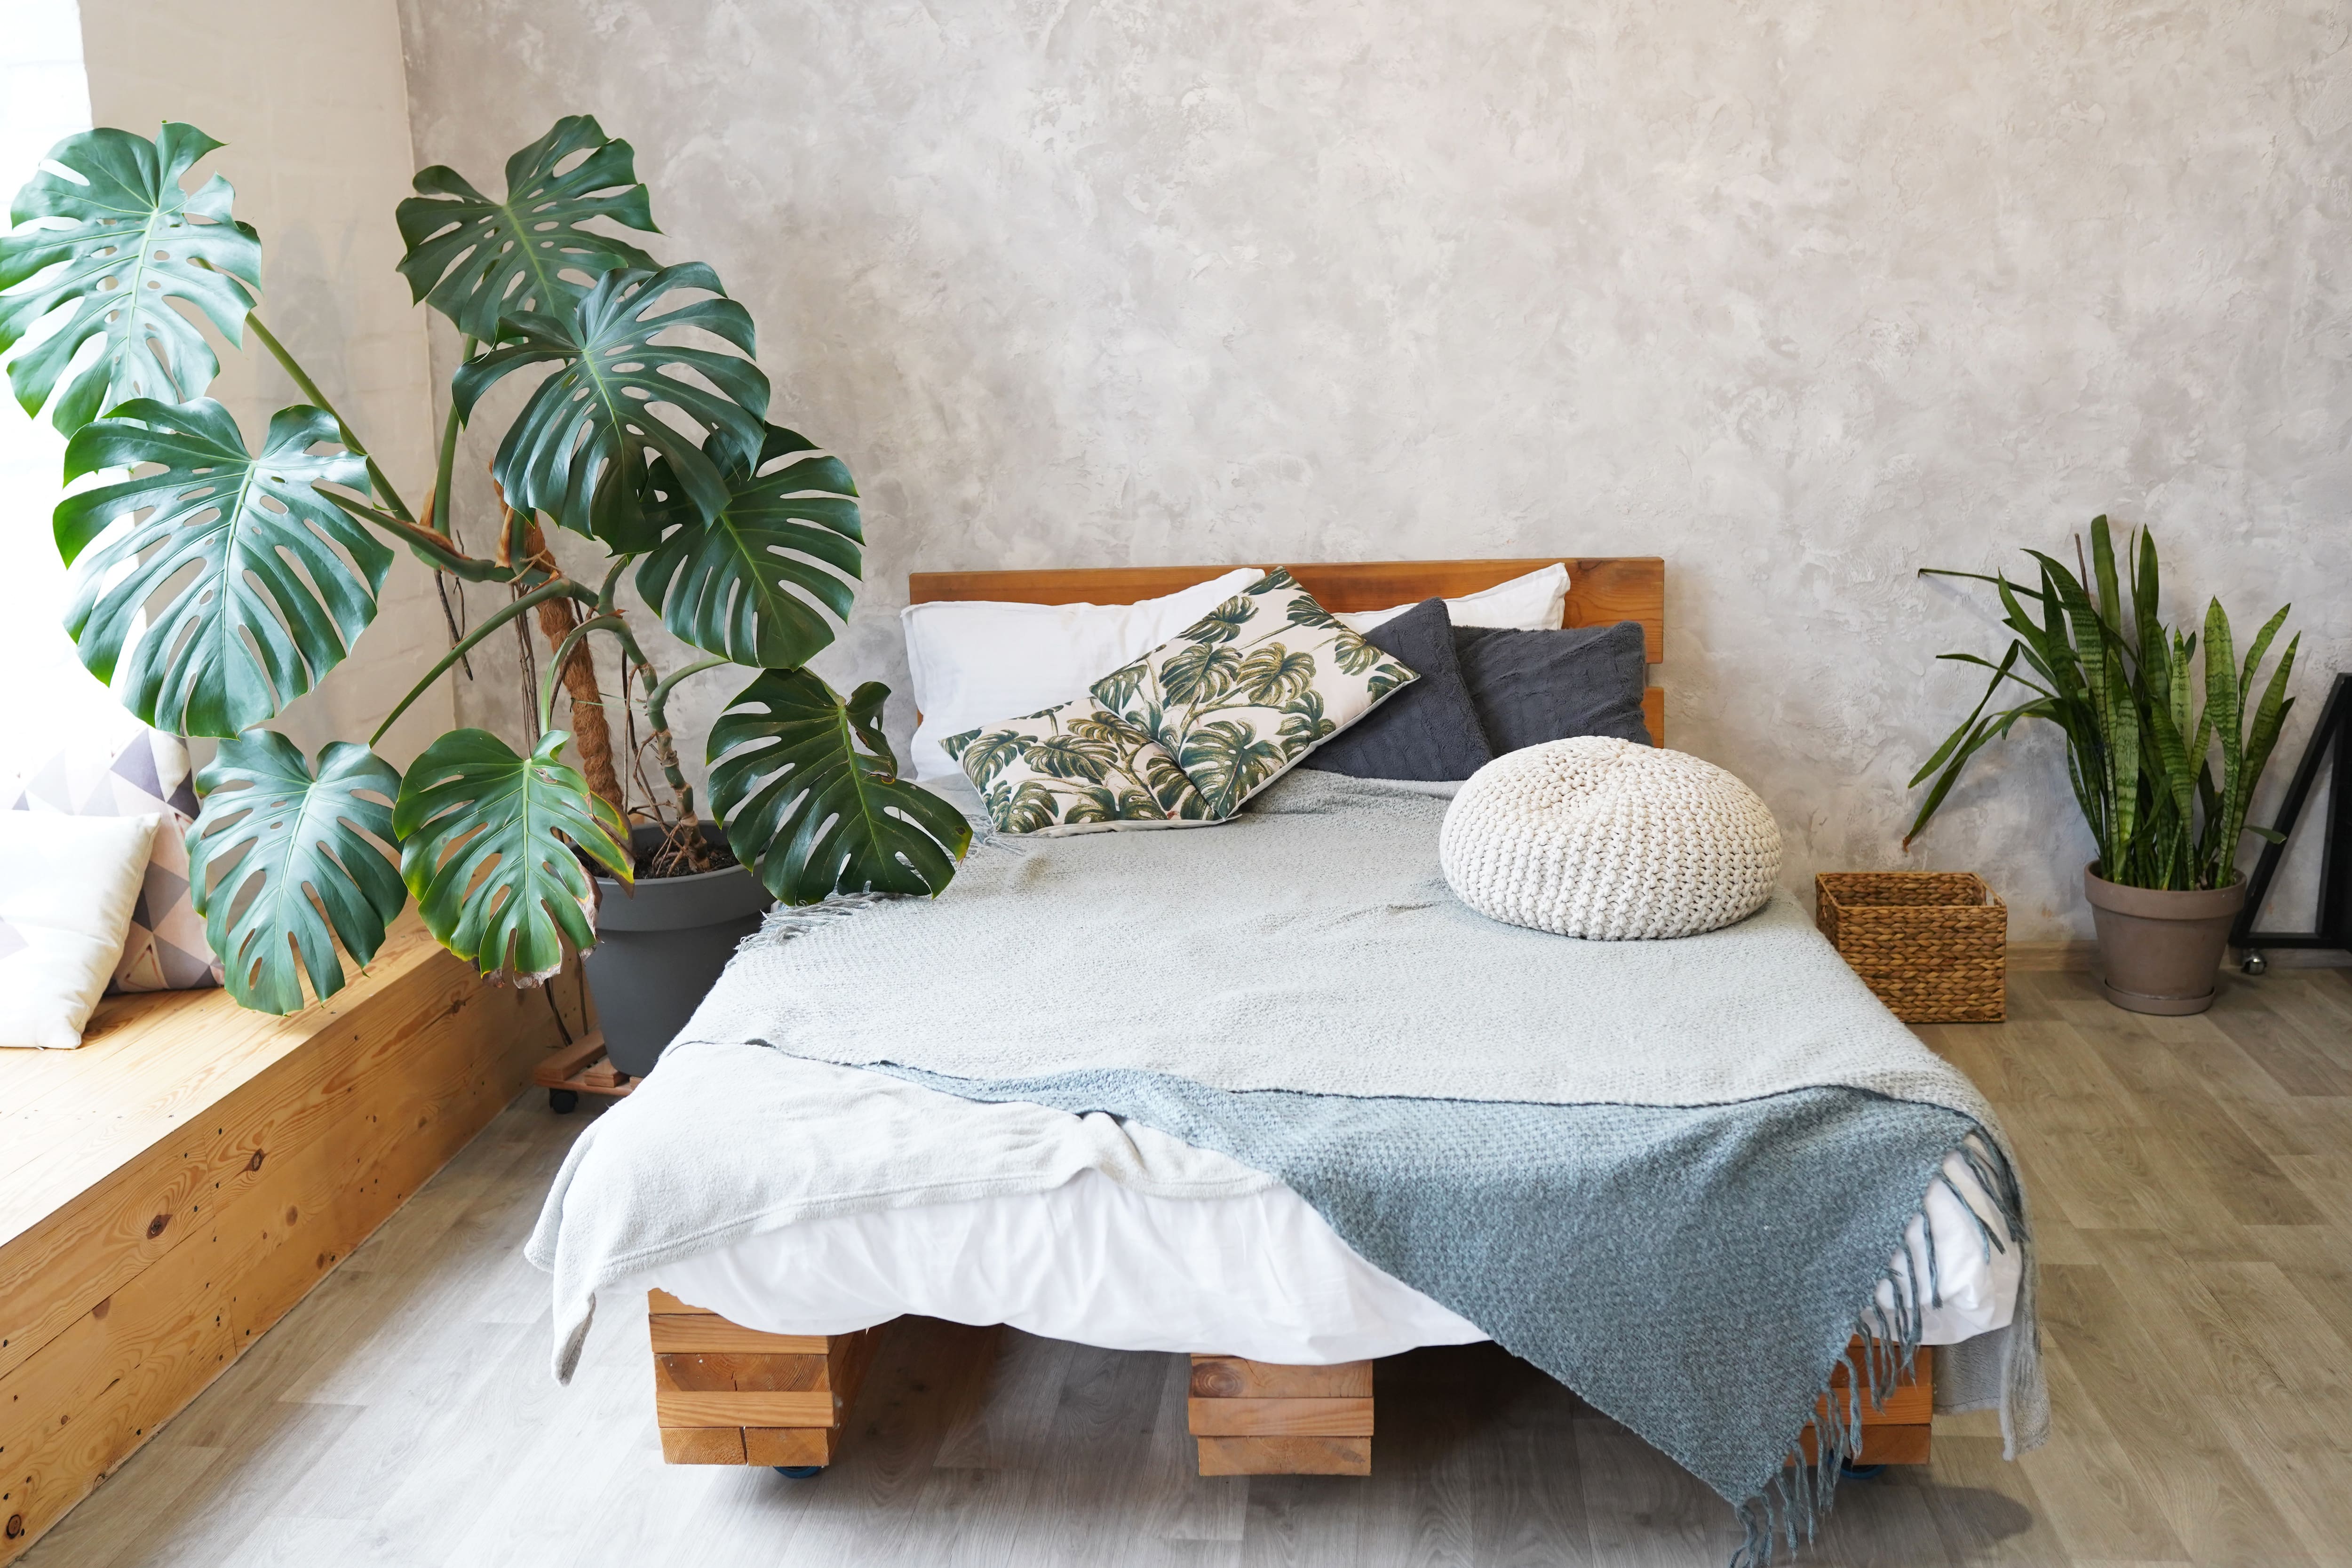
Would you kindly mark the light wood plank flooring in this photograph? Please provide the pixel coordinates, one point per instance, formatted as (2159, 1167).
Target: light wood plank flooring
(2192, 1178)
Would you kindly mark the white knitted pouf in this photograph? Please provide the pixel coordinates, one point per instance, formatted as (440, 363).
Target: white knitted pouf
(1603, 838)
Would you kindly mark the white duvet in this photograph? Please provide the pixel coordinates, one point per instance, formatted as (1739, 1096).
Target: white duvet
(1245, 1266)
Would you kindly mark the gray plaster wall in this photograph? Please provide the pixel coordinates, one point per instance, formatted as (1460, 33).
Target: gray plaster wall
(1800, 297)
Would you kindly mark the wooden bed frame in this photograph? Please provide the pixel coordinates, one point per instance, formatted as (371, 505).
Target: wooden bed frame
(730, 1395)
(1602, 591)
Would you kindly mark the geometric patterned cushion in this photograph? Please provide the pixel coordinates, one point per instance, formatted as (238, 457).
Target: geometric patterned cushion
(116, 766)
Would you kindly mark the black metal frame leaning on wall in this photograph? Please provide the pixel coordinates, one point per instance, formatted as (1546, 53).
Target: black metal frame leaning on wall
(2333, 928)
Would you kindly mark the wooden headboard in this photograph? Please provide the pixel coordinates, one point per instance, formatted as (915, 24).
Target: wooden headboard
(1602, 591)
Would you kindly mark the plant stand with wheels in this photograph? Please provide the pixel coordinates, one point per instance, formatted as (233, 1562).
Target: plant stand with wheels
(581, 1068)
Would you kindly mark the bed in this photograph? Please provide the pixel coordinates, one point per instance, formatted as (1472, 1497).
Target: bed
(1073, 1210)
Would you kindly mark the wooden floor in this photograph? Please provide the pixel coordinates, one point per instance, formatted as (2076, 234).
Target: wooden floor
(2192, 1178)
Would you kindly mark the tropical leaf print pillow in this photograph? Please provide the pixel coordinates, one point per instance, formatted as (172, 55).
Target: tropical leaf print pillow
(1074, 769)
(1242, 694)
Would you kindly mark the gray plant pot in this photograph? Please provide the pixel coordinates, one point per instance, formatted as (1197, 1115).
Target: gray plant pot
(658, 949)
(2163, 948)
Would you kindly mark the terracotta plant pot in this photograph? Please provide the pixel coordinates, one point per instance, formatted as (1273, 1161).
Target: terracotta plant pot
(2163, 948)
(659, 947)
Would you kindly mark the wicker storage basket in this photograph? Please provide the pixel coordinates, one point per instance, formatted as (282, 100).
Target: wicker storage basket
(1932, 944)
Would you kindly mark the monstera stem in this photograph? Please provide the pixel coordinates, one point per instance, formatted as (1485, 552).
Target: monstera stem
(444, 470)
(592, 732)
(686, 844)
(319, 399)
(657, 700)
(562, 587)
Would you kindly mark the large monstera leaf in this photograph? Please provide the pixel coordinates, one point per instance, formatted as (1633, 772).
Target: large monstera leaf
(112, 249)
(476, 259)
(579, 448)
(283, 580)
(487, 841)
(741, 585)
(303, 865)
(811, 796)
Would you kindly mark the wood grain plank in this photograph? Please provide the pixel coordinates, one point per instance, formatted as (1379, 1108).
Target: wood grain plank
(746, 1408)
(706, 1333)
(1293, 1456)
(559, 1065)
(2091, 1493)
(789, 1445)
(713, 1373)
(1280, 1418)
(2161, 1395)
(702, 1445)
(1233, 1377)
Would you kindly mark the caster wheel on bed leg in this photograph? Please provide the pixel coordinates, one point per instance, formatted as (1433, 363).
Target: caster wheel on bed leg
(564, 1101)
(1854, 1472)
(800, 1473)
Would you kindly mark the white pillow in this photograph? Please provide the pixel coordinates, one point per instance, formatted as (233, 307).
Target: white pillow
(67, 885)
(975, 660)
(102, 761)
(1535, 602)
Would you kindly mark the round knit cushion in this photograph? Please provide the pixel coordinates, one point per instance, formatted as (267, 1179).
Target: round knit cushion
(1604, 838)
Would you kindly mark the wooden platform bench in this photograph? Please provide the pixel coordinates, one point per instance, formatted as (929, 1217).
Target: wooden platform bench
(170, 1189)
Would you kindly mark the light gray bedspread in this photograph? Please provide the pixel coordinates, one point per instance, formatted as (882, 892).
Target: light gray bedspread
(1670, 1174)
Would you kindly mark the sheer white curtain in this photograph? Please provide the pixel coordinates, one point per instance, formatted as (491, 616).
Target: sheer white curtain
(44, 97)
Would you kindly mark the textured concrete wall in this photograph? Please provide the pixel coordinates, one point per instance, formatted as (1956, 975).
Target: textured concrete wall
(1801, 298)
(311, 101)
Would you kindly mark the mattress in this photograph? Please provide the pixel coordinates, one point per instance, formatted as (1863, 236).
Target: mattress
(1259, 1274)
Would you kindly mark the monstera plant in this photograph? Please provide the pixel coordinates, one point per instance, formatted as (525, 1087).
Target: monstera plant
(217, 578)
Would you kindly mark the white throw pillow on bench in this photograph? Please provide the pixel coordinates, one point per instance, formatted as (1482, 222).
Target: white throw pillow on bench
(67, 885)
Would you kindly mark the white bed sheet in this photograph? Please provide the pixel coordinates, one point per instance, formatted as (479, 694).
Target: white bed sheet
(1258, 1274)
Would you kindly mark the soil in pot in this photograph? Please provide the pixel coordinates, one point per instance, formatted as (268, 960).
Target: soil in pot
(2162, 948)
(661, 944)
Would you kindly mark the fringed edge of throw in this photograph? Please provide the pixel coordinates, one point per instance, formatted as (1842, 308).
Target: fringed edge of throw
(1793, 1504)
(784, 922)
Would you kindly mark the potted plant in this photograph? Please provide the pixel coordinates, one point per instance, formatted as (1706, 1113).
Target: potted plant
(2140, 753)
(219, 581)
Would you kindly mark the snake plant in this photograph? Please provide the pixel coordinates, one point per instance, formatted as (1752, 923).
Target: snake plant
(2142, 750)
(218, 580)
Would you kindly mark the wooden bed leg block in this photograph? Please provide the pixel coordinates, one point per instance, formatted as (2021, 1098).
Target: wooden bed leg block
(1286, 1455)
(1897, 1433)
(726, 1394)
(1260, 1418)
(789, 1445)
(702, 1445)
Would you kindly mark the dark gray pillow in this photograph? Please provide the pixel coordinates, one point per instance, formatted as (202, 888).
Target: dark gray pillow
(1533, 687)
(1429, 730)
